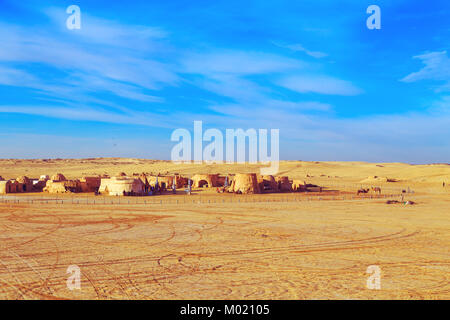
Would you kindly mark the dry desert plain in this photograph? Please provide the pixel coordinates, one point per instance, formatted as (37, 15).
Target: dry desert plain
(223, 246)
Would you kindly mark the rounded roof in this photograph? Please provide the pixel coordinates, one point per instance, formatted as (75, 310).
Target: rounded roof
(23, 179)
(124, 180)
(121, 174)
(59, 177)
(204, 175)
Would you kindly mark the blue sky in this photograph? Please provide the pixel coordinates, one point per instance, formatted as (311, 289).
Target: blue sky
(137, 71)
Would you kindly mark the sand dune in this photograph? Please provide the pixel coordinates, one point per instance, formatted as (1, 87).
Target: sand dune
(349, 171)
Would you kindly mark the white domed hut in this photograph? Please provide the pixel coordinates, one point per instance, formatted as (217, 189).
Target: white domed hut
(122, 186)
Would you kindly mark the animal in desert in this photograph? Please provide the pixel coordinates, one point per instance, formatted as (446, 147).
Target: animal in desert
(376, 190)
(362, 191)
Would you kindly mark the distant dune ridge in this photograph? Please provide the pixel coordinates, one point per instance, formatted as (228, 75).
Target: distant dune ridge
(353, 171)
(378, 179)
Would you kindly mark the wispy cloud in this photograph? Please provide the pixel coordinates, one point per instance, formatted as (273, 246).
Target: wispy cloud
(238, 62)
(437, 68)
(320, 84)
(130, 62)
(15, 77)
(247, 79)
(125, 74)
(108, 32)
(86, 113)
(296, 47)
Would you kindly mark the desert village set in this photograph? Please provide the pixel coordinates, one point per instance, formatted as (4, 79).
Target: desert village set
(149, 184)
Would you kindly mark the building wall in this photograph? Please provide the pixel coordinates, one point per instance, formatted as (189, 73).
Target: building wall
(245, 183)
(90, 184)
(284, 185)
(10, 186)
(210, 179)
(62, 186)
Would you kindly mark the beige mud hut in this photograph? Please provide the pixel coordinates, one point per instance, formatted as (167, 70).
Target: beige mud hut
(267, 184)
(284, 184)
(41, 183)
(143, 178)
(180, 181)
(144, 181)
(245, 183)
(221, 180)
(90, 184)
(58, 177)
(313, 188)
(20, 185)
(164, 182)
(59, 184)
(2, 185)
(9, 186)
(25, 184)
(122, 186)
(206, 180)
(67, 186)
(298, 186)
(168, 181)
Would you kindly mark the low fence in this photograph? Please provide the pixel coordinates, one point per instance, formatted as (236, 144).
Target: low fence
(192, 199)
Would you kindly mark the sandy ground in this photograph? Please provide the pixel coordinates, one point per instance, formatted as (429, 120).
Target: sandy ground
(211, 246)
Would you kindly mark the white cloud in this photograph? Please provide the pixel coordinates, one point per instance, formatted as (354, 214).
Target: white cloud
(238, 62)
(437, 68)
(235, 87)
(96, 114)
(102, 31)
(120, 89)
(275, 111)
(66, 54)
(299, 48)
(15, 77)
(320, 84)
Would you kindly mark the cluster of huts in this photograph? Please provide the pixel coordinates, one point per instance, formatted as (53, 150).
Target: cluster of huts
(56, 184)
(21, 184)
(146, 184)
(247, 183)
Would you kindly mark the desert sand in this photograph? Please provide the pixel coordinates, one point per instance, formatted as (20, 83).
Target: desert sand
(214, 246)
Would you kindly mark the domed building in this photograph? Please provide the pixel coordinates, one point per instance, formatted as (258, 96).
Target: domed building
(245, 183)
